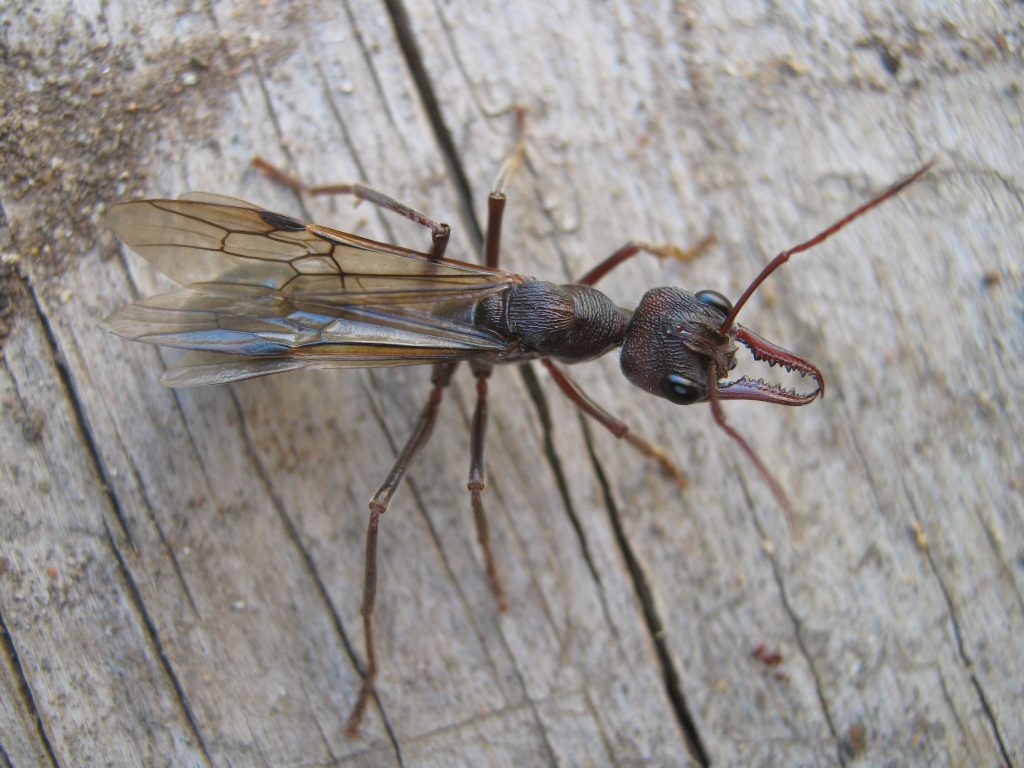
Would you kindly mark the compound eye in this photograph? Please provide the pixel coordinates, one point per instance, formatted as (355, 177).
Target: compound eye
(681, 390)
(716, 300)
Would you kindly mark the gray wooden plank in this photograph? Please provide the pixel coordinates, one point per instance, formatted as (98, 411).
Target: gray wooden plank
(187, 477)
(765, 124)
(896, 610)
(79, 645)
(22, 742)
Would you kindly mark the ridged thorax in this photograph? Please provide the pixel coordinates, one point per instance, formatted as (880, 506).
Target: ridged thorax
(571, 323)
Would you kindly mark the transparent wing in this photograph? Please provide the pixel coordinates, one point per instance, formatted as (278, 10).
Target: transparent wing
(267, 293)
(254, 331)
(195, 369)
(212, 197)
(200, 368)
(205, 238)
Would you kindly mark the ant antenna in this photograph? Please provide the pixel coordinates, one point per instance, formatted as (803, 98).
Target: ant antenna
(783, 257)
(778, 261)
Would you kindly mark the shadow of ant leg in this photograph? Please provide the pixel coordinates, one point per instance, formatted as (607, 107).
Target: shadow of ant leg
(496, 200)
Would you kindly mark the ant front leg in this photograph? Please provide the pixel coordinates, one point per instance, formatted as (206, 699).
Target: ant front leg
(439, 232)
(421, 432)
(618, 428)
(662, 251)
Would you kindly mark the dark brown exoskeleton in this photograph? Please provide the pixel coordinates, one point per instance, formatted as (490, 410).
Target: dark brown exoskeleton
(265, 293)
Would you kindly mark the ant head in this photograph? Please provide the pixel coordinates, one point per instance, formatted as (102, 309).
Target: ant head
(672, 339)
(681, 345)
(678, 345)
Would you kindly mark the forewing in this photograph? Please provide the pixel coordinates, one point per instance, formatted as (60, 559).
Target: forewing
(206, 238)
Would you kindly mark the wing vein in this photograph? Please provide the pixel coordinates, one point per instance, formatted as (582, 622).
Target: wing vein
(264, 292)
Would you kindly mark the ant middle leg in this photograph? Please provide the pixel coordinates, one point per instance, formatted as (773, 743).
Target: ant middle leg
(477, 481)
(439, 231)
(482, 370)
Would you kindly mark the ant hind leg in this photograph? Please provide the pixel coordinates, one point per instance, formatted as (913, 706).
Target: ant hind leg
(439, 231)
(421, 432)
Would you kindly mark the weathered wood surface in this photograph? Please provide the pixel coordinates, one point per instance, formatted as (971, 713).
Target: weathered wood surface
(180, 571)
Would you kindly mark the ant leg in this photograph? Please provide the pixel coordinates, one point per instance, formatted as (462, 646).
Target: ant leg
(766, 475)
(482, 370)
(439, 231)
(492, 241)
(631, 249)
(822, 236)
(440, 378)
(496, 200)
(477, 481)
(572, 390)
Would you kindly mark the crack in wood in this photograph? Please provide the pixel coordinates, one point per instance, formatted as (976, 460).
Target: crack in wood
(26, 691)
(671, 679)
(114, 506)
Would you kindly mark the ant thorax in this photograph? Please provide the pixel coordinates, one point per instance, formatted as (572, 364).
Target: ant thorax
(571, 323)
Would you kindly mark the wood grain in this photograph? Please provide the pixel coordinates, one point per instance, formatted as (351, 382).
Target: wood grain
(181, 570)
